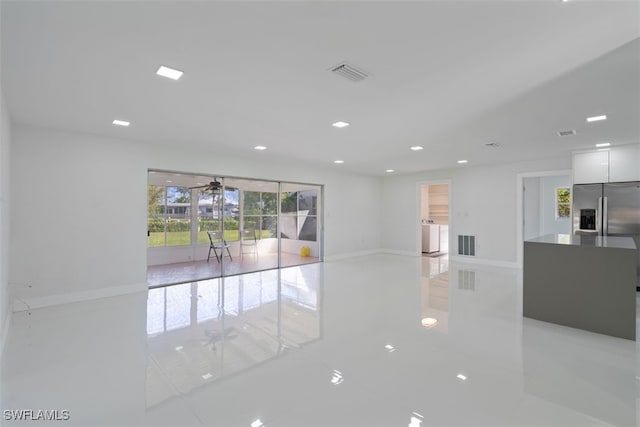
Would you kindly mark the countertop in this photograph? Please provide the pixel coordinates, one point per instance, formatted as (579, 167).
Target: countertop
(598, 241)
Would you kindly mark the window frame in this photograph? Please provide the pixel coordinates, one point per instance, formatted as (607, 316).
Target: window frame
(558, 203)
(165, 212)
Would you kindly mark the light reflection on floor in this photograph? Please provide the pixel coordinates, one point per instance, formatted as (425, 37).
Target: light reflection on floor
(326, 344)
(227, 325)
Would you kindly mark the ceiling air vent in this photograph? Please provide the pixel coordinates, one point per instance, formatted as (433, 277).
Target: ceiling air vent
(349, 71)
(566, 132)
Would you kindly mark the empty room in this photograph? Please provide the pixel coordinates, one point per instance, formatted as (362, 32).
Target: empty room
(318, 213)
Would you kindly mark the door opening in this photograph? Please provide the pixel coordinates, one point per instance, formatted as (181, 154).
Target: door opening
(434, 219)
(544, 205)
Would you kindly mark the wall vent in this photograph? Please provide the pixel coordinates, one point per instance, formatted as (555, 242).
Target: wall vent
(349, 71)
(467, 280)
(466, 245)
(566, 132)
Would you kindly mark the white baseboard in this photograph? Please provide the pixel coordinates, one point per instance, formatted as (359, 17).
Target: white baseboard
(25, 304)
(481, 261)
(5, 332)
(397, 252)
(351, 255)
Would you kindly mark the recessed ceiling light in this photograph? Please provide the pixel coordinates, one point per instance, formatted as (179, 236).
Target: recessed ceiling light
(417, 148)
(259, 147)
(207, 376)
(596, 118)
(462, 377)
(603, 144)
(340, 124)
(169, 73)
(257, 423)
(121, 123)
(390, 171)
(463, 161)
(338, 162)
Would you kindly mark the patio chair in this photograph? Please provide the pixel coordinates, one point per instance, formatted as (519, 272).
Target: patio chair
(217, 242)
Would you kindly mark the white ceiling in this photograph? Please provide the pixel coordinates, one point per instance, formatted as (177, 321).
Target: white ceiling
(447, 75)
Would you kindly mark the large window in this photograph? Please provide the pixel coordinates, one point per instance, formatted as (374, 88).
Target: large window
(208, 214)
(260, 213)
(211, 214)
(231, 214)
(169, 215)
(300, 215)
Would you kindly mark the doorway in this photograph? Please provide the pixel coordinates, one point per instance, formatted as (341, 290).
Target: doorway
(547, 205)
(434, 219)
(544, 205)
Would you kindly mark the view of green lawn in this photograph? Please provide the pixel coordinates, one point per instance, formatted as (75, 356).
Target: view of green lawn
(176, 238)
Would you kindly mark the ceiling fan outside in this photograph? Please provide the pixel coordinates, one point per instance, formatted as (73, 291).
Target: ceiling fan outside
(214, 186)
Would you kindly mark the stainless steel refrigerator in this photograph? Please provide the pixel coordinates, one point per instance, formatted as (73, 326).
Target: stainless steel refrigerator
(608, 210)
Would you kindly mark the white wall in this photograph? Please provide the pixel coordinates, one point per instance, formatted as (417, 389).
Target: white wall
(68, 186)
(532, 207)
(5, 167)
(484, 204)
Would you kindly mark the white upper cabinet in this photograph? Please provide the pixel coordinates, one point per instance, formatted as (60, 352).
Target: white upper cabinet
(624, 163)
(620, 163)
(591, 167)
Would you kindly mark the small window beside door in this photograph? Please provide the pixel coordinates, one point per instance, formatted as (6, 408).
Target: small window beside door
(563, 203)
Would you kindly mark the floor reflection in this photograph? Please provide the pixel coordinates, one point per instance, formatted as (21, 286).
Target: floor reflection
(607, 391)
(378, 340)
(201, 332)
(435, 293)
(467, 280)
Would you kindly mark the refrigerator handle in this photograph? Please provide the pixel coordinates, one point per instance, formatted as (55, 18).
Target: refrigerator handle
(599, 217)
(605, 217)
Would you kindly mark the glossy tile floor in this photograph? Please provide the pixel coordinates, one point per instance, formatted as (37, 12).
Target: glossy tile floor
(373, 341)
(158, 275)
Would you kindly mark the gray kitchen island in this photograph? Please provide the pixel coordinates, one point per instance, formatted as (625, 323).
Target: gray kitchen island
(585, 282)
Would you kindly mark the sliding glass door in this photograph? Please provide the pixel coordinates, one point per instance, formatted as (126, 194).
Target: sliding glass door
(251, 224)
(204, 226)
